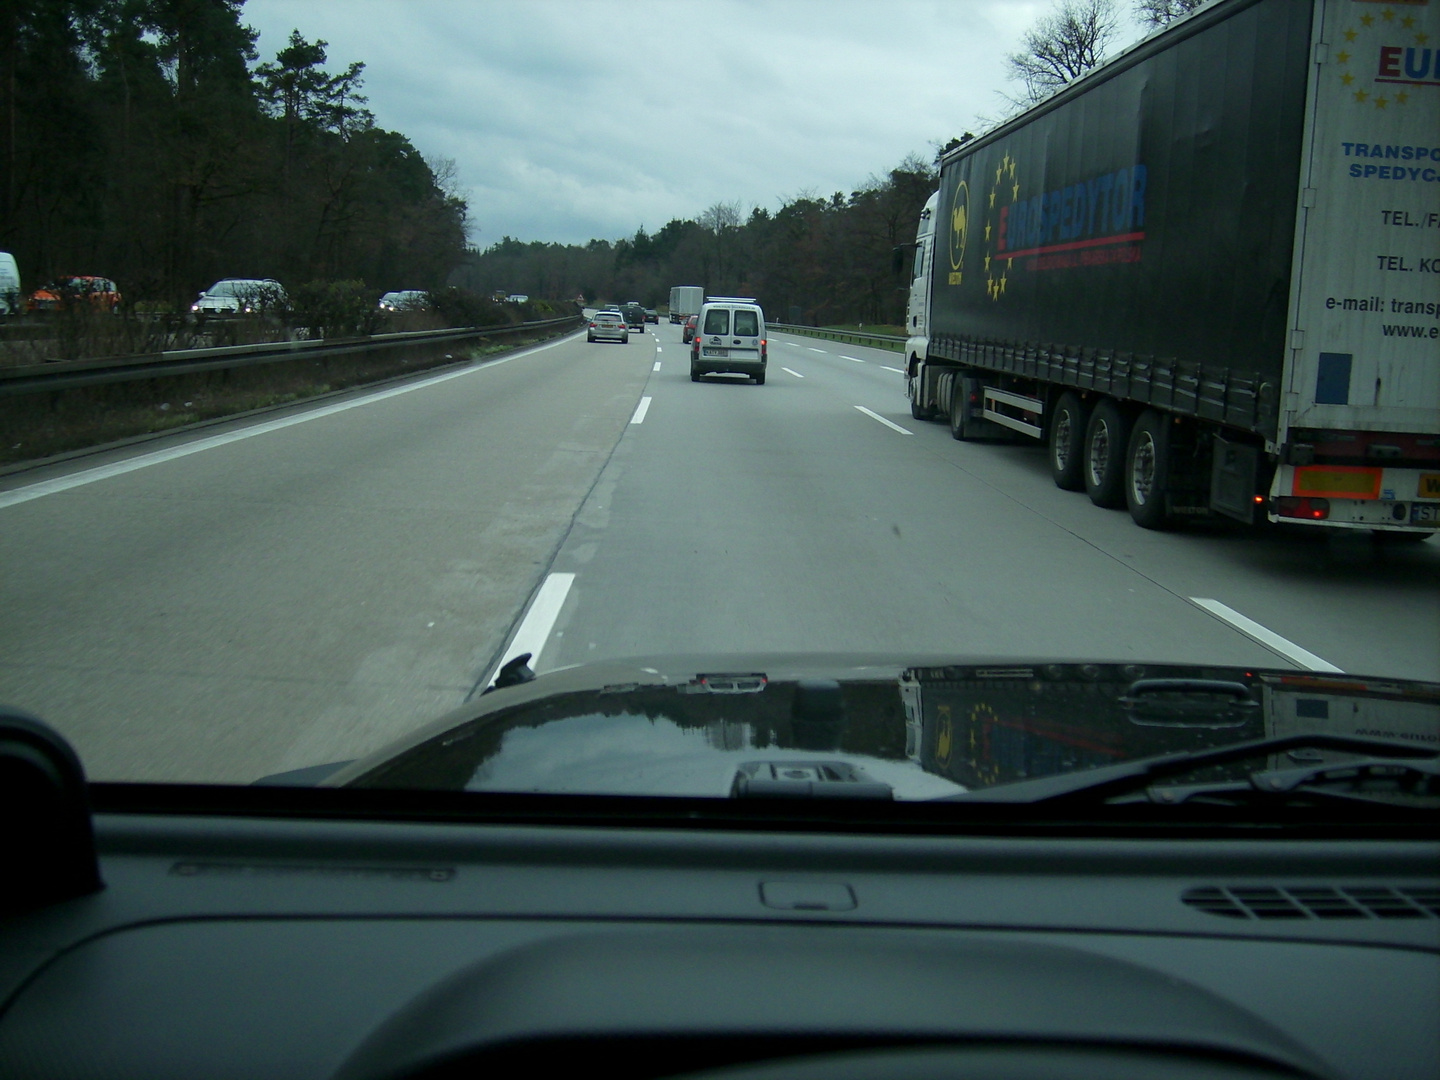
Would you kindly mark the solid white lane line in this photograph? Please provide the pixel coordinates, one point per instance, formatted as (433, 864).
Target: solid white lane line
(657, 366)
(120, 468)
(535, 628)
(855, 358)
(795, 373)
(896, 370)
(887, 423)
(1265, 636)
(640, 411)
(813, 349)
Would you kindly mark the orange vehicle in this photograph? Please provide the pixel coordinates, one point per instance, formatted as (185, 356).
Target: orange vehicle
(100, 293)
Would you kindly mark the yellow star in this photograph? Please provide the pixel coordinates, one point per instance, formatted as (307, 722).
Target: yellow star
(1421, 38)
(992, 199)
(987, 264)
(1349, 35)
(1402, 97)
(1342, 57)
(1388, 15)
(1361, 95)
(1380, 103)
(998, 170)
(1002, 283)
(987, 232)
(1347, 78)
(1015, 193)
(1367, 20)
(1408, 22)
(1009, 263)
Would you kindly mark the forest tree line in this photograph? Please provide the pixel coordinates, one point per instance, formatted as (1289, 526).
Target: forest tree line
(821, 260)
(143, 140)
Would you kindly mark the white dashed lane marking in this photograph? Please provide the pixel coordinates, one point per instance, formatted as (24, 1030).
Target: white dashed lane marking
(640, 411)
(657, 366)
(795, 373)
(1265, 636)
(898, 371)
(887, 423)
(855, 358)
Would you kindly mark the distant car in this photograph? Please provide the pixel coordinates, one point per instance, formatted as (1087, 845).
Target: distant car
(634, 316)
(80, 290)
(689, 331)
(651, 315)
(608, 326)
(240, 296)
(405, 300)
(517, 298)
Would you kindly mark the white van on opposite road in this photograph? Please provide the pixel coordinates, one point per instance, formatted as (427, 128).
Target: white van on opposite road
(729, 339)
(11, 300)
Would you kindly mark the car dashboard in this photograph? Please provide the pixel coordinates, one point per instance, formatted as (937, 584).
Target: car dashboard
(263, 932)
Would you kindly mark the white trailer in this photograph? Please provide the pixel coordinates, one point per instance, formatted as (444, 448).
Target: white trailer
(685, 300)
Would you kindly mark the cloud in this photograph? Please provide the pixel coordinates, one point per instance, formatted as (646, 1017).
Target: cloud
(572, 119)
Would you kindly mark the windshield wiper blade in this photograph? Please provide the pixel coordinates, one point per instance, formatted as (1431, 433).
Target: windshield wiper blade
(1096, 786)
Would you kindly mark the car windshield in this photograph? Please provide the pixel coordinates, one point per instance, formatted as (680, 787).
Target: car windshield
(1063, 392)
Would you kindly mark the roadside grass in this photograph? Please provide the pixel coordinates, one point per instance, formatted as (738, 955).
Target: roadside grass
(41, 425)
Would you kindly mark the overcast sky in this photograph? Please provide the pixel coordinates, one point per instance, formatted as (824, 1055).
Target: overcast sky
(573, 119)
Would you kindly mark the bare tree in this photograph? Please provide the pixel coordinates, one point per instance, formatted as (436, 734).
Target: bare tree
(721, 216)
(1062, 46)
(1161, 12)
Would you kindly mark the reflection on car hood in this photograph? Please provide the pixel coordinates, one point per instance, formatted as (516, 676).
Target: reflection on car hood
(860, 727)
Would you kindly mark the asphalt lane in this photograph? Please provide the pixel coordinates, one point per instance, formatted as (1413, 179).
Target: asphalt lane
(815, 514)
(340, 573)
(309, 593)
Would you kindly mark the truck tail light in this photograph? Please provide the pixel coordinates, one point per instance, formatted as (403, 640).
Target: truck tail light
(1310, 509)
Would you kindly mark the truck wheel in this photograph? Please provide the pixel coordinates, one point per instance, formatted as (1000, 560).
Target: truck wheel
(1067, 442)
(915, 410)
(960, 413)
(1147, 470)
(1107, 436)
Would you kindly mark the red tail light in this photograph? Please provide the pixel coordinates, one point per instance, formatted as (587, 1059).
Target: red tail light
(1306, 507)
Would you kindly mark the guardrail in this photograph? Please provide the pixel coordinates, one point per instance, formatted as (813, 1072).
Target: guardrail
(854, 337)
(69, 374)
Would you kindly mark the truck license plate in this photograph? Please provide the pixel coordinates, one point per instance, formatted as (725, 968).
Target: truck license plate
(1425, 513)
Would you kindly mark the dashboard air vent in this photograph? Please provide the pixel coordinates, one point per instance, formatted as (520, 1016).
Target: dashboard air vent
(1316, 902)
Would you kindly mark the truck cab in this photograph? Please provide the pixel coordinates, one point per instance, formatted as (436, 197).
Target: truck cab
(917, 313)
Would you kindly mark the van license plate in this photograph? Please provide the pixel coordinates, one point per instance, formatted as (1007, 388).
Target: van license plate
(716, 352)
(1425, 513)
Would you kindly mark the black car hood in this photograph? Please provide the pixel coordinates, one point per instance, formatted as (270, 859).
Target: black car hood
(893, 727)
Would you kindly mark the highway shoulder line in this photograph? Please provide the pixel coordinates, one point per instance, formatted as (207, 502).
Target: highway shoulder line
(119, 468)
(876, 416)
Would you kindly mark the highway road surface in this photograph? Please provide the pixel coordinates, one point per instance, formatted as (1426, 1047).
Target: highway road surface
(306, 585)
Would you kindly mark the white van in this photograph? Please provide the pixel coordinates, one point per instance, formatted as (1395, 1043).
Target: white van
(729, 338)
(11, 302)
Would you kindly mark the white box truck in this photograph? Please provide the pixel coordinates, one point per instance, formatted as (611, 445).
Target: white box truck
(685, 300)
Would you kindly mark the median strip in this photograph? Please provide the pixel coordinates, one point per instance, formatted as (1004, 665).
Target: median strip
(876, 416)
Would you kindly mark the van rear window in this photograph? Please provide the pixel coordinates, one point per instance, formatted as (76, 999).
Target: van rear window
(717, 321)
(747, 324)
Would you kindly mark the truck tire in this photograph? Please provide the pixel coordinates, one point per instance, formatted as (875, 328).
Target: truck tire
(960, 426)
(1107, 436)
(916, 411)
(1147, 470)
(1067, 442)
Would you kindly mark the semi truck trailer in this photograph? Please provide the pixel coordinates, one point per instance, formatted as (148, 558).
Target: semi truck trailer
(1207, 273)
(685, 300)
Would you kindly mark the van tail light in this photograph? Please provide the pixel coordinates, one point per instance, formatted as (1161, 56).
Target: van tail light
(1303, 506)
